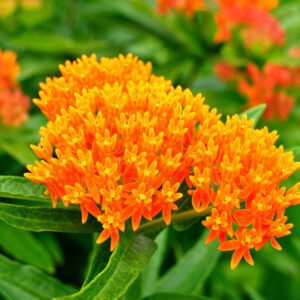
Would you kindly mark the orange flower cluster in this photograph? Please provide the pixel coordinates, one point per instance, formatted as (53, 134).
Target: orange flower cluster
(7, 7)
(120, 142)
(252, 16)
(13, 104)
(254, 19)
(189, 6)
(264, 86)
(268, 86)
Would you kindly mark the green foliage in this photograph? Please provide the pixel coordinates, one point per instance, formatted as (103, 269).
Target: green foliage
(51, 242)
(175, 296)
(45, 219)
(189, 274)
(151, 273)
(26, 247)
(124, 266)
(19, 281)
(183, 267)
(16, 187)
(255, 113)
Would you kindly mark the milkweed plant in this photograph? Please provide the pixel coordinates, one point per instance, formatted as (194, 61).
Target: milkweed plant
(128, 156)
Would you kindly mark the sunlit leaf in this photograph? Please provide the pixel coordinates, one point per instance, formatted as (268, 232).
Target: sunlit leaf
(18, 187)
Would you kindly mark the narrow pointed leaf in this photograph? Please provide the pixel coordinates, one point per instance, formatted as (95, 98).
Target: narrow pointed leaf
(134, 292)
(151, 273)
(18, 187)
(255, 113)
(19, 150)
(26, 247)
(175, 296)
(51, 242)
(46, 219)
(125, 264)
(189, 274)
(24, 282)
(296, 151)
(98, 260)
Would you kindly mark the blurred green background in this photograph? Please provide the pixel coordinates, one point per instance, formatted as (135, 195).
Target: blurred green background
(183, 50)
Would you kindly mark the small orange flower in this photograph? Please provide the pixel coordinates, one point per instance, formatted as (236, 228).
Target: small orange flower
(246, 239)
(126, 141)
(189, 6)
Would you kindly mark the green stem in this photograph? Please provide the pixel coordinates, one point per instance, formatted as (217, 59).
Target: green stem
(156, 226)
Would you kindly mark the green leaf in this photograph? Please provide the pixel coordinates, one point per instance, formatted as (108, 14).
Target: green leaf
(98, 259)
(151, 273)
(174, 296)
(18, 150)
(24, 246)
(255, 113)
(189, 274)
(25, 282)
(46, 219)
(52, 244)
(296, 151)
(125, 264)
(252, 293)
(17, 187)
(28, 133)
(282, 262)
(30, 69)
(134, 292)
(49, 42)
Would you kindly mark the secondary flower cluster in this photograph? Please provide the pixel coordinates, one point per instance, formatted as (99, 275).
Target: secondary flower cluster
(13, 104)
(188, 6)
(252, 17)
(268, 85)
(120, 142)
(257, 25)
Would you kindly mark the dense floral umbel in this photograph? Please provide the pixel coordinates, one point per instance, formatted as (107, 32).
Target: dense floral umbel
(125, 141)
(13, 104)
